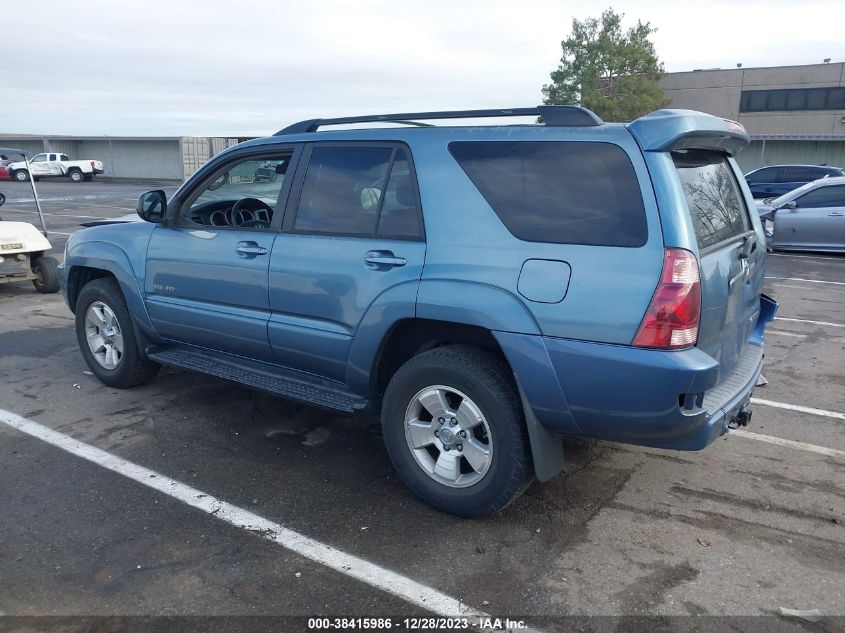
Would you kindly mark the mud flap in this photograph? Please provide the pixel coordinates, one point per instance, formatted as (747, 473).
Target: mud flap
(546, 447)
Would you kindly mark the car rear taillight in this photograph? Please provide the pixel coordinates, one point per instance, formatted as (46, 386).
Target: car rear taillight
(671, 321)
(92, 164)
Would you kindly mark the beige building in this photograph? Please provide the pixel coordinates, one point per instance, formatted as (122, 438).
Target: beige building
(795, 114)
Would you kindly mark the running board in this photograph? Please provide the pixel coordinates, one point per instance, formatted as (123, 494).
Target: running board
(263, 377)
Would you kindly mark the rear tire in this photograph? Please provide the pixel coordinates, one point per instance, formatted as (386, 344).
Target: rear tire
(475, 384)
(46, 271)
(127, 369)
(75, 175)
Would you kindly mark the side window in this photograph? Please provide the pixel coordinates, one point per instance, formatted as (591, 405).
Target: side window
(53, 158)
(767, 174)
(244, 195)
(823, 197)
(400, 215)
(802, 174)
(39, 158)
(348, 191)
(63, 157)
(564, 192)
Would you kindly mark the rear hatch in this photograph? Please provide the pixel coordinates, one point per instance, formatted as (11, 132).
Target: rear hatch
(731, 255)
(697, 148)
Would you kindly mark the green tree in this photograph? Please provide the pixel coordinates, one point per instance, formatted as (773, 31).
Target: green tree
(612, 72)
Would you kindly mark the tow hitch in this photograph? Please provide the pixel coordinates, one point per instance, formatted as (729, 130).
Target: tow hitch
(742, 419)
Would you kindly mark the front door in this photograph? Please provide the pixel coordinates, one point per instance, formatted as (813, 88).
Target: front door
(39, 165)
(817, 221)
(206, 281)
(352, 233)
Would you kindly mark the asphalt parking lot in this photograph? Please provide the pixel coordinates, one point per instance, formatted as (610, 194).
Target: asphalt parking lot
(751, 524)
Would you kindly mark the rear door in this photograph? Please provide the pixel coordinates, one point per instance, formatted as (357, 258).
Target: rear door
(794, 177)
(817, 221)
(353, 231)
(731, 257)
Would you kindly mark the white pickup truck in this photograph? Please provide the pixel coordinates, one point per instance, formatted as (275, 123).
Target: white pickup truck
(54, 164)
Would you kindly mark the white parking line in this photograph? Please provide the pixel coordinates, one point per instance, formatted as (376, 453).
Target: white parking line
(828, 323)
(58, 215)
(809, 281)
(790, 286)
(782, 333)
(799, 408)
(802, 446)
(383, 579)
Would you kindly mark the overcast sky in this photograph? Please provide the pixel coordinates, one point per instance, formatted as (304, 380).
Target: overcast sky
(208, 67)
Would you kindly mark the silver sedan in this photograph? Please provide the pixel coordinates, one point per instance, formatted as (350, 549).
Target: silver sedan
(810, 218)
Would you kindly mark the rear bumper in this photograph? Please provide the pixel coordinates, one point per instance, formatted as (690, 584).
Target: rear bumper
(664, 399)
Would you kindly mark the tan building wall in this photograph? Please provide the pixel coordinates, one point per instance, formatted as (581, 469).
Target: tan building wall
(719, 92)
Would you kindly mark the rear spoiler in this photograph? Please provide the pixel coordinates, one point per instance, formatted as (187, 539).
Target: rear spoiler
(667, 130)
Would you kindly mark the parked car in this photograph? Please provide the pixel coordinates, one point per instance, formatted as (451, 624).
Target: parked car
(4, 163)
(811, 218)
(777, 180)
(53, 164)
(487, 289)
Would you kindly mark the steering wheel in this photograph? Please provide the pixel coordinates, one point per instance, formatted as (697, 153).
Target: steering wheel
(234, 212)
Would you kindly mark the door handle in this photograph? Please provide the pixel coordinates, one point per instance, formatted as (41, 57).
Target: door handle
(749, 244)
(836, 214)
(383, 259)
(249, 248)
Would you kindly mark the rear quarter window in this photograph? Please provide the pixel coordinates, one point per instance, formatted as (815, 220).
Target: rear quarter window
(768, 174)
(565, 192)
(713, 197)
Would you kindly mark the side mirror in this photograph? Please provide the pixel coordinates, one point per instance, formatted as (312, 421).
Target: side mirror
(218, 182)
(152, 206)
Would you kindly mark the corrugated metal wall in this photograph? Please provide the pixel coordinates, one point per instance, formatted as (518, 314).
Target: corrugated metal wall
(196, 151)
(762, 153)
(158, 159)
(33, 147)
(135, 159)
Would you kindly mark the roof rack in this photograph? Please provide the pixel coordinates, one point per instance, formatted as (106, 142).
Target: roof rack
(552, 115)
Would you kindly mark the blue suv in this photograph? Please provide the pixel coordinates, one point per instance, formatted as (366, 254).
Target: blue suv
(487, 289)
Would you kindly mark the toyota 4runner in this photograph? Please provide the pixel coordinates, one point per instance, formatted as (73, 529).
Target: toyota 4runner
(487, 289)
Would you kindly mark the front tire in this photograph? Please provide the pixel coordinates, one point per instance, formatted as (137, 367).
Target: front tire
(75, 175)
(22, 175)
(46, 273)
(106, 337)
(477, 460)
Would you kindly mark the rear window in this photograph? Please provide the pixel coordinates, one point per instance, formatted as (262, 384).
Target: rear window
(713, 197)
(566, 192)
